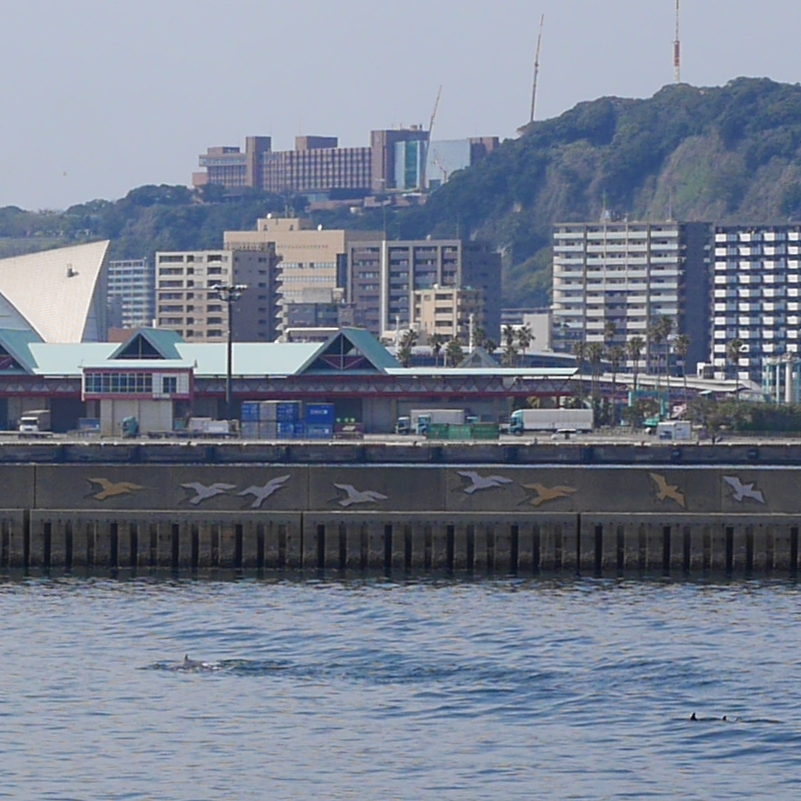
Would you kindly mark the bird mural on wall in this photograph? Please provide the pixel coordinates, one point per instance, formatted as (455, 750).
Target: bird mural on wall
(261, 494)
(545, 494)
(482, 482)
(355, 496)
(110, 489)
(667, 491)
(742, 492)
(203, 493)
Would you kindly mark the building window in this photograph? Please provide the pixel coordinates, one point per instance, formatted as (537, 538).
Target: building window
(169, 384)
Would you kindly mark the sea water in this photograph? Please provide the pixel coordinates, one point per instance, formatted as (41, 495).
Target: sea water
(339, 689)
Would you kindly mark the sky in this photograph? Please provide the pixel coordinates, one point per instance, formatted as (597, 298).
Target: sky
(101, 96)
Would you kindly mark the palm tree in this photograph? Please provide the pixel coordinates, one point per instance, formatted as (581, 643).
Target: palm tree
(595, 353)
(437, 341)
(666, 327)
(681, 345)
(734, 349)
(524, 338)
(616, 357)
(509, 345)
(405, 350)
(634, 351)
(454, 354)
(655, 337)
(580, 352)
(480, 337)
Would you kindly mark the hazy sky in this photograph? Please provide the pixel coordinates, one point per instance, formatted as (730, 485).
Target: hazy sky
(100, 96)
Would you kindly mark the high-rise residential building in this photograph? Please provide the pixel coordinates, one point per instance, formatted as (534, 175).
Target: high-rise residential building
(757, 295)
(397, 160)
(312, 257)
(187, 303)
(131, 292)
(448, 311)
(383, 276)
(631, 274)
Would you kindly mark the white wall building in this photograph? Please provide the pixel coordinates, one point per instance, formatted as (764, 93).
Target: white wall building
(630, 274)
(757, 295)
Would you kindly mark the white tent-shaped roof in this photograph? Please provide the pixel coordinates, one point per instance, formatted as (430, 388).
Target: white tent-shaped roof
(59, 294)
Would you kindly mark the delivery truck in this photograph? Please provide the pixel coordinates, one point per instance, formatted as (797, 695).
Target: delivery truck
(419, 419)
(534, 420)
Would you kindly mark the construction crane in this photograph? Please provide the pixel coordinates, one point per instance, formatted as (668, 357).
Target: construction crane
(536, 71)
(423, 185)
(677, 46)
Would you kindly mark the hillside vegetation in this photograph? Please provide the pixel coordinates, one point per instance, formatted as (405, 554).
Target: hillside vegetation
(728, 154)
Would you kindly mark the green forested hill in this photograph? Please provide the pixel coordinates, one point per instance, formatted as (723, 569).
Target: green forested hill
(728, 154)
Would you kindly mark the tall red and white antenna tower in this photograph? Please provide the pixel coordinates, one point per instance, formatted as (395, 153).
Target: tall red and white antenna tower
(677, 47)
(536, 71)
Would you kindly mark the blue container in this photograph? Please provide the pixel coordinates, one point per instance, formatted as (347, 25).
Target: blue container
(320, 413)
(319, 431)
(286, 430)
(288, 412)
(250, 412)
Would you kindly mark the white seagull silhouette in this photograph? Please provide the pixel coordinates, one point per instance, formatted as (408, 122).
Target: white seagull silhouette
(354, 496)
(482, 482)
(262, 493)
(204, 492)
(743, 491)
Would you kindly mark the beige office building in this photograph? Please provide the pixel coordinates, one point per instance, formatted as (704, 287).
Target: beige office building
(311, 257)
(447, 311)
(187, 303)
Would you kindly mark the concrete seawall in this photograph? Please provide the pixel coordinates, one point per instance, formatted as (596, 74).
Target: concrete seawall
(501, 519)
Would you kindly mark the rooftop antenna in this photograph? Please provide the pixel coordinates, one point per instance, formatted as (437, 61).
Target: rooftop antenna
(677, 46)
(536, 71)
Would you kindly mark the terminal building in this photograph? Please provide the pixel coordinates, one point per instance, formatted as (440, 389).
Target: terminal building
(161, 380)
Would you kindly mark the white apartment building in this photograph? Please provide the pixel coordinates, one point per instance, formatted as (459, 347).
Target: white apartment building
(131, 282)
(631, 274)
(757, 295)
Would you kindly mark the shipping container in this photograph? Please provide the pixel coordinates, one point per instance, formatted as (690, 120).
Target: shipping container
(250, 412)
(460, 432)
(250, 430)
(319, 431)
(322, 413)
(268, 430)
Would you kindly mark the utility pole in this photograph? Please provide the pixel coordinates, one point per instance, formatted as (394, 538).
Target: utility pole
(229, 294)
(536, 71)
(677, 46)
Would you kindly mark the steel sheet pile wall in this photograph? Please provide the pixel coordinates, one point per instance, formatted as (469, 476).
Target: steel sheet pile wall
(494, 518)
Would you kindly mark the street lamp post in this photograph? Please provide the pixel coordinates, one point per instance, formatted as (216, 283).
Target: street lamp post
(230, 294)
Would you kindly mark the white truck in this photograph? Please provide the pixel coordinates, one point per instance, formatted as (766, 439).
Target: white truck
(550, 420)
(36, 421)
(675, 430)
(420, 419)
